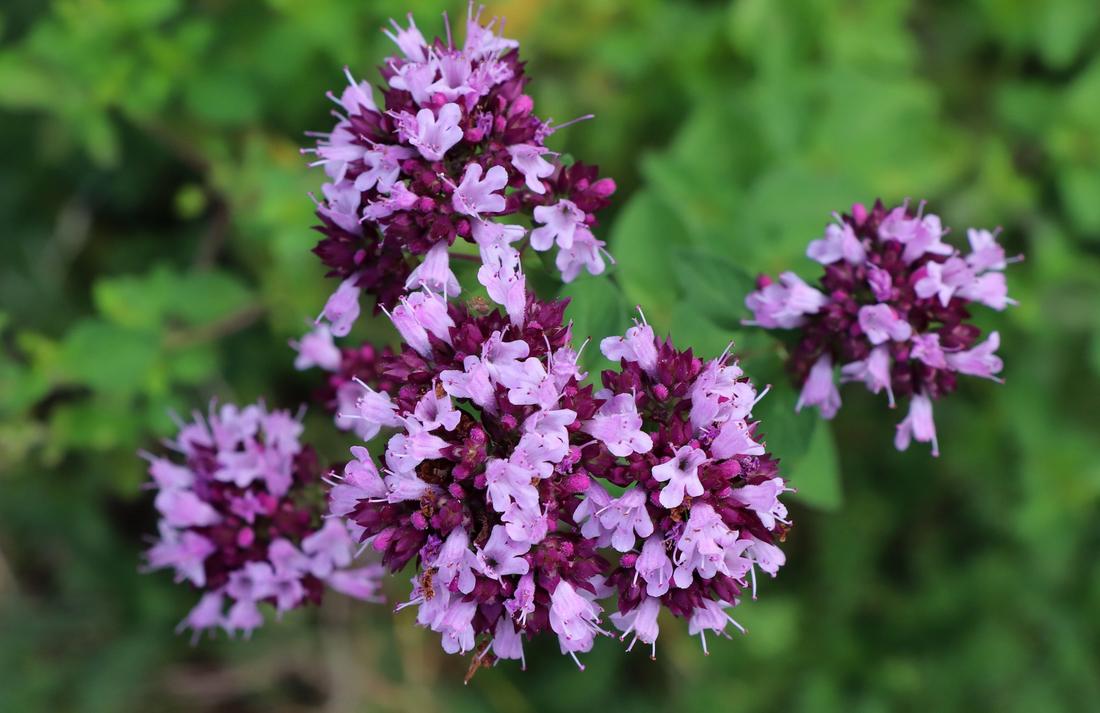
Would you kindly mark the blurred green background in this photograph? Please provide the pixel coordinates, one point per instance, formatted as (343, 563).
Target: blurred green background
(154, 238)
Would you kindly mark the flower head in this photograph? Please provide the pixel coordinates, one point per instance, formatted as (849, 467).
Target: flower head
(236, 520)
(895, 315)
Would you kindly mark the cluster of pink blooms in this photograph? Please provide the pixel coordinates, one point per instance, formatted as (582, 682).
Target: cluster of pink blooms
(495, 483)
(455, 147)
(241, 520)
(891, 311)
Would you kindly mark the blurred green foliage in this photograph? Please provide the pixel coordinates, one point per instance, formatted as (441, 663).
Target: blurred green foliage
(154, 253)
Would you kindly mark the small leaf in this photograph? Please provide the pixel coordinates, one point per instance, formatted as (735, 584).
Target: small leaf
(816, 475)
(109, 358)
(713, 285)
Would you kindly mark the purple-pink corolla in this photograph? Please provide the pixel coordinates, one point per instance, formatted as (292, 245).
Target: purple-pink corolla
(891, 311)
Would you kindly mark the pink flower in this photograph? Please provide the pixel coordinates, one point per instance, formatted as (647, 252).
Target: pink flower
(317, 349)
(943, 279)
(918, 424)
(926, 348)
(979, 360)
(502, 555)
(528, 160)
(681, 472)
(734, 439)
(882, 284)
(820, 389)
(638, 345)
(362, 583)
(342, 308)
(990, 289)
(880, 323)
(383, 167)
(573, 618)
(785, 304)
(481, 41)
(840, 242)
(418, 314)
(625, 516)
(874, 371)
(655, 566)
(763, 499)
(642, 621)
(434, 273)
(357, 96)
(184, 551)
(618, 425)
(475, 195)
(986, 254)
(435, 136)
(560, 223)
(410, 41)
(207, 614)
(712, 615)
(586, 252)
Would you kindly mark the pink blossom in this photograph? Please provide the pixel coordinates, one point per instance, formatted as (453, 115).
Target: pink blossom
(410, 41)
(990, 289)
(525, 524)
(329, 548)
(701, 547)
(655, 566)
(435, 136)
(918, 424)
(529, 384)
(456, 562)
(880, 323)
(820, 389)
(363, 583)
(586, 252)
(507, 642)
(375, 410)
(573, 618)
(681, 472)
(506, 286)
(943, 279)
(985, 254)
(434, 411)
(420, 313)
(528, 160)
(502, 555)
(625, 516)
(509, 483)
(926, 348)
(784, 305)
(874, 371)
(474, 383)
(341, 205)
(639, 345)
(979, 360)
(734, 439)
(400, 198)
(481, 41)
(765, 554)
(763, 499)
(342, 308)
(840, 243)
(454, 78)
(357, 96)
(434, 273)
(881, 282)
(317, 349)
(712, 615)
(184, 551)
(383, 167)
(183, 508)
(207, 614)
(475, 195)
(618, 425)
(642, 620)
(494, 241)
(360, 482)
(561, 221)
(587, 514)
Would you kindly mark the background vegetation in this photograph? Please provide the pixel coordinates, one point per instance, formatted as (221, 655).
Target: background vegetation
(154, 238)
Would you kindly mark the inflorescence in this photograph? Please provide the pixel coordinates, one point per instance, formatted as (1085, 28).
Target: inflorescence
(496, 484)
(241, 519)
(891, 311)
(455, 147)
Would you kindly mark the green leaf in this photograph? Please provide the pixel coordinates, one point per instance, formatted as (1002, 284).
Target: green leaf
(816, 475)
(108, 357)
(641, 242)
(598, 310)
(208, 296)
(713, 285)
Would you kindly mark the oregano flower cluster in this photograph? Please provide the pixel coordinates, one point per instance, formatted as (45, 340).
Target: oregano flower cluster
(892, 311)
(241, 520)
(454, 147)
(495, 485)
